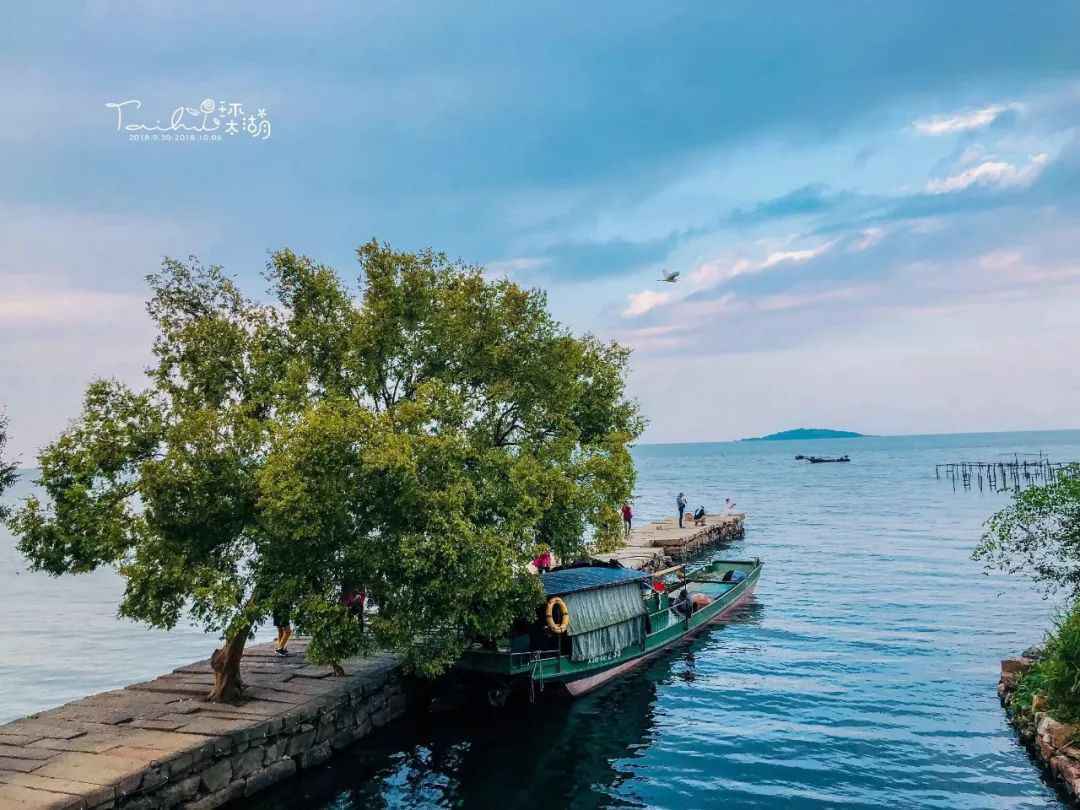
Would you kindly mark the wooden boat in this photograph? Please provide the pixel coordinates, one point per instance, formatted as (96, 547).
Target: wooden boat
(612, 620)
(822, 460)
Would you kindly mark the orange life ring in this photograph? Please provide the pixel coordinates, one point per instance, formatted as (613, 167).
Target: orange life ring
(560, 626)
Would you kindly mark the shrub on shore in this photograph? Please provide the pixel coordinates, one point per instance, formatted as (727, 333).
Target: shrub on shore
(1057, 674)
(1038, 536)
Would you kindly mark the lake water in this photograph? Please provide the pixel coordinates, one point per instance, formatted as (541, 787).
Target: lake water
(862, 675)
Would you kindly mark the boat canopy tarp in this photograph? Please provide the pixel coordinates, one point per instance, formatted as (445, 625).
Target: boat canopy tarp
(570, 580)
(605, 620)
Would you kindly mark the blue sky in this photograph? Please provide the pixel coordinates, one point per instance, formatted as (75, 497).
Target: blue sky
(875, 208)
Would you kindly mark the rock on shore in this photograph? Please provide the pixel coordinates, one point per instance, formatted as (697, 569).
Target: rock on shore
(1055, 745)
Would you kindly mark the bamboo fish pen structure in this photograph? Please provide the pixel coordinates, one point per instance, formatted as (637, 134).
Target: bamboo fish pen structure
(1006, 475)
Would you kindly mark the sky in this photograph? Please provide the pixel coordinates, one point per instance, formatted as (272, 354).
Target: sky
(874, 208)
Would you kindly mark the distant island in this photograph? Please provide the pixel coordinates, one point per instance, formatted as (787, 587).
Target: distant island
(806, 433)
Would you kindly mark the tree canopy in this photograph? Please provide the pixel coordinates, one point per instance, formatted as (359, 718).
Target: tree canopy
(416, 436)
(8, 473)
(1038, 536)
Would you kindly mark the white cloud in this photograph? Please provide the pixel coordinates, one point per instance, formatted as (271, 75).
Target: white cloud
(709, 274)
(868, 238)
(990, 173)
(795, 256)
(962, 121)
(644, 301)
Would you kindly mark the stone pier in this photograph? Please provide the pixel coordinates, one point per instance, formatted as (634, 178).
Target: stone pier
(655, 545)
(159, 745)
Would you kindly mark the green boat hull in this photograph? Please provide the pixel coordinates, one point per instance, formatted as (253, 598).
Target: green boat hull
(538, 670)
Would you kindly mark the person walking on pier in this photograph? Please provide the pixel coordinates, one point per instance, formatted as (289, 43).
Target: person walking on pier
(284, 629)
(680, 502)
(627, 518)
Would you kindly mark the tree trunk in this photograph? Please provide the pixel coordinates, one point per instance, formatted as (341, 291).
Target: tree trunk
(225, 662)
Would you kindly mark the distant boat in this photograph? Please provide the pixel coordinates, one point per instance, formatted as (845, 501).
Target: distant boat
(599, 622)
(822, 459)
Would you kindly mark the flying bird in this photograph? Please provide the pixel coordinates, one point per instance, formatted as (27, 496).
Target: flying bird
(671, 277)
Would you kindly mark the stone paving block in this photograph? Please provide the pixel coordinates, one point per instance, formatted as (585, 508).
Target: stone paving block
(17, 797)
(110, 717)
(310, 687)
(170, 688)
(157, 724)
(91, 794)
(280, 698)
(17, 739)
(34, 728)
(188, 677)
(97, 769)
(24, 752)
(195, 669)
(254, 709)
(187, 706)
(93, 743)
(314, 671)
(213, 726)
(263, 680)
(143, 756)
(20, 765)
(167, 741)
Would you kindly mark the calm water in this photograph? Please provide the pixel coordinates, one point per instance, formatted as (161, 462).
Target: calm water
(862, 675)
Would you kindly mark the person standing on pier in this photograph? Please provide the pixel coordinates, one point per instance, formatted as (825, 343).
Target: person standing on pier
(284, 629)
(627, 518)
(680, 502)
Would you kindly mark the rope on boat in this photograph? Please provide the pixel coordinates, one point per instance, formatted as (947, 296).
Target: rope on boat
(537, 663)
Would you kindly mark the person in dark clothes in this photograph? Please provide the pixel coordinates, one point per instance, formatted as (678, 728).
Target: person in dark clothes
(284, 629)
(680, 502)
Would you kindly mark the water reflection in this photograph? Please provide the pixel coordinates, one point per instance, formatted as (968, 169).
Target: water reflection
(556, 753)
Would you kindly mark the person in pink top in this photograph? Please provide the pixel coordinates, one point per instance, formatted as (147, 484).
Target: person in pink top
(543, 561)
(627, 518)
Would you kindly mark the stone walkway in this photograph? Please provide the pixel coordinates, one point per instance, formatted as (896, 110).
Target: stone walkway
(649, 544)
(160, 745)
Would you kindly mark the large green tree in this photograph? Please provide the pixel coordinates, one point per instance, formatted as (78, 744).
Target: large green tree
(1038, 535)
(8, 469)
(417, 436)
